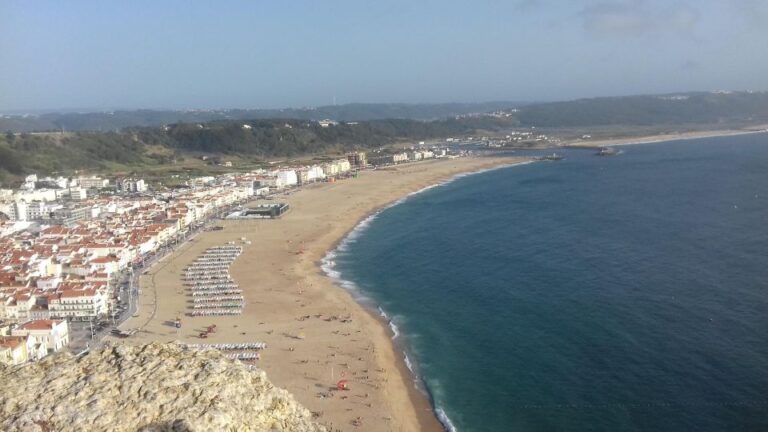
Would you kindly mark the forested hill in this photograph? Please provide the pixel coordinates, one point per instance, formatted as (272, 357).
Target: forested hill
(110, 121)
(142, 147)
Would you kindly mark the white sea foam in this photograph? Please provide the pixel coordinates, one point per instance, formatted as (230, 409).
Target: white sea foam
(408, 363)
(395, 330)
(445, 420)
(333, 273)
(328, 263)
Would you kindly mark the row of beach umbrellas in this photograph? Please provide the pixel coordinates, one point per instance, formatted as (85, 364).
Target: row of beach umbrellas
(216, 292)
(245, 356)
(215, 312)
(221, 305)
(218, 298)
(228, 346)
(213, 290)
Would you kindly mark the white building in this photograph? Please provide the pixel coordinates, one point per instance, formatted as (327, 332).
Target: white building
(344, 165)
(327, 123)
(61, 182)
(18, 307)
(38, 195)
(13, 350)
(81, 304)
(53, 335)
(33, 211)
(201, 181)
(78, 193)
(131, 185)
(29, 182)
(92, 182)
(18, 211)
(310, 174)
(287, 178)
(336, 167)
(400, 157)
(260, 190)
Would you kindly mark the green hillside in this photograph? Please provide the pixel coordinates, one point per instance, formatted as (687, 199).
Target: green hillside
(146, 147)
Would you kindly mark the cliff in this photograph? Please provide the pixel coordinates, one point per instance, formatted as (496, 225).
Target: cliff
(153, 387)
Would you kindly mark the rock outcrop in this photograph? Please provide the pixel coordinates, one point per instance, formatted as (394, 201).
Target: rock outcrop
(153, 387)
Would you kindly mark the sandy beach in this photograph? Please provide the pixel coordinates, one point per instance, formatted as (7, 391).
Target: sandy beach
(315, 332)
(659, 138)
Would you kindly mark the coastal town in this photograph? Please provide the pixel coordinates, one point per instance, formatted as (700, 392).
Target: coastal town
(383, 216)
(72, 249)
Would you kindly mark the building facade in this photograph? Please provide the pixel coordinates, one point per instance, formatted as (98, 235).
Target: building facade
(129, 185)
(51, 334)
(357, 159)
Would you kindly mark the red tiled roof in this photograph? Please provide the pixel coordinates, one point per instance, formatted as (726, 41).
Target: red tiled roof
(11, 341)
(104, 260)
(78, 293)
(39, 325)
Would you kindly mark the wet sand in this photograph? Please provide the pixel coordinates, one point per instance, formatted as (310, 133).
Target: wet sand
(315, 331)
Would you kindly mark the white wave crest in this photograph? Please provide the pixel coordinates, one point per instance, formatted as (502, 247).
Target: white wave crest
(445, 420)
(408, 364)
(395, 330)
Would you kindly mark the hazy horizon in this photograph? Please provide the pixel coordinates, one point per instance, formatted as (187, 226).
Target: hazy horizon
(88, 110)
(91, 56)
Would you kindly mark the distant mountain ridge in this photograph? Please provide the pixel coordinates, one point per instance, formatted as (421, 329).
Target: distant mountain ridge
(643, 110)
(647, 110)
(115, 120)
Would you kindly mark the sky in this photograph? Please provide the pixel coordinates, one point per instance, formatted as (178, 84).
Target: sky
(172, 54)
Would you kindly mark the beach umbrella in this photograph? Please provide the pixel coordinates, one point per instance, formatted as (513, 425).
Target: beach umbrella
(342, 385)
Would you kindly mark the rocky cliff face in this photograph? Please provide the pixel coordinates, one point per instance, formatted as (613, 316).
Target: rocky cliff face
(154, 387)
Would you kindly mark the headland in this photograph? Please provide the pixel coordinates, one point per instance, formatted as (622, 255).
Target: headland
(662, 137)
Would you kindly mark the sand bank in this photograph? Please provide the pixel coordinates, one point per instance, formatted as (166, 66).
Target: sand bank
(650, 139)
(315, 331)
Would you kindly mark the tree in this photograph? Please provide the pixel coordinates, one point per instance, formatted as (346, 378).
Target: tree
(9, 161)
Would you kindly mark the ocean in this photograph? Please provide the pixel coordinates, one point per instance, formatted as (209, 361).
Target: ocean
(623, 293)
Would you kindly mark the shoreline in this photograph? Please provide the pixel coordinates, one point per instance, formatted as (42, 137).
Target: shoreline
(662, 138)
(316, 330)
(420, 389)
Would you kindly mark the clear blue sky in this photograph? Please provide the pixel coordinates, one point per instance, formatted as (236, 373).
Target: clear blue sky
(267, 53)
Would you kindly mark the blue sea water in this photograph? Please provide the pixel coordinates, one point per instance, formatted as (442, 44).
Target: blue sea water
(625, 293)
